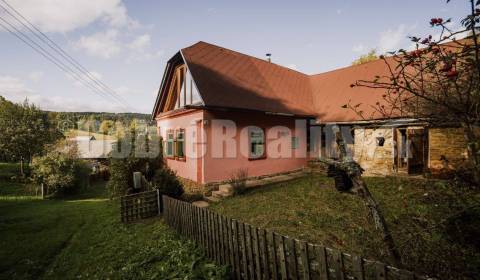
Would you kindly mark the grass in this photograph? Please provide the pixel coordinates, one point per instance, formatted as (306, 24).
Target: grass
(82, 237)
(311, 209)
(9, 170)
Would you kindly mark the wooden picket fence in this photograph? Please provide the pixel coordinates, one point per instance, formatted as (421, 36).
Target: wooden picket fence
(255, 253)
(140, 206)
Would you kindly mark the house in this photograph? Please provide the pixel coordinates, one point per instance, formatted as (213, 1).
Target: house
(92, 149)
(219, 111)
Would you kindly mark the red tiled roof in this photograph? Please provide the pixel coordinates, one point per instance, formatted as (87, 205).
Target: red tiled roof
(229, 79)
(226, 78)
(332, 90)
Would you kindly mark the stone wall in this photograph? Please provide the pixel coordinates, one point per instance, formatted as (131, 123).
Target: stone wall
(447, 149)
(376, 160)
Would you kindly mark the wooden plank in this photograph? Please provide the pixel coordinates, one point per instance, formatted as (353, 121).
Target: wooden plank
(211, 241)
(304, 256)
(264, 254)
(283, 257)
(220, 234)
(243, 249)
(292, 259)
(215, 238)
(256, 252)
(197, 224)
(226, 250)
(380, 271)
(187, 219)
(274, 259)
(358, 270)
(230, 242)
(323, 264)
(190, 221)
(201, 225)
(249, 244)
(236, 248)
(338, 265)
(204, 229)
(180, 217)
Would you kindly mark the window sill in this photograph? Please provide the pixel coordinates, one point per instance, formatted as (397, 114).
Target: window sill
(177, 158)
(257, 158)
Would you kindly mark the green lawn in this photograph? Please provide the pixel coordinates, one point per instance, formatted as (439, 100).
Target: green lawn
(311, 209)
(8, 170)
(82, 237)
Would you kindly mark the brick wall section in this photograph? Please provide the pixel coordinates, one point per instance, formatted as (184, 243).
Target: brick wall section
(376, 160)
(448, 143)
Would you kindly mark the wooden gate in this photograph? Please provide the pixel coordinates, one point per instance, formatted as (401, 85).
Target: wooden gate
(140, 206)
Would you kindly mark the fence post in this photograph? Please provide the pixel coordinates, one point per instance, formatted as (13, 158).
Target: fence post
(158, 202)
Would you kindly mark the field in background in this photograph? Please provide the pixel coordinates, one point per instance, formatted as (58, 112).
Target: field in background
(311, 209)
(98, 136)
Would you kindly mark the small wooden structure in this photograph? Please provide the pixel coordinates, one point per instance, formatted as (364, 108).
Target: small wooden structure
(138, 206)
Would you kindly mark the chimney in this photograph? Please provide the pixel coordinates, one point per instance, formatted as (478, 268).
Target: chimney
(269, 57)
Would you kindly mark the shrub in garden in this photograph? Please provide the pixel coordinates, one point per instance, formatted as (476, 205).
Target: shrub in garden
(238, 180)
(122, 166)
(119, 181)
(60, 171)
(166, 181)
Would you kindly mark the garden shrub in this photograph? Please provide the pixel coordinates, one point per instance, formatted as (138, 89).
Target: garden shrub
(238, 180)
(166, 181)
(60, 171)
(122, 169)
(118, 183)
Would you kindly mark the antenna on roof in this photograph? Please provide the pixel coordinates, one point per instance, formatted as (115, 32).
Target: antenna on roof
(269, 57)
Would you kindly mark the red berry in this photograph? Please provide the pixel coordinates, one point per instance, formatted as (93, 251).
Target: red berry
(452, 74)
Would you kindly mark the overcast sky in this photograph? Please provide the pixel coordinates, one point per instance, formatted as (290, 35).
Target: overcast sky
(126, 44)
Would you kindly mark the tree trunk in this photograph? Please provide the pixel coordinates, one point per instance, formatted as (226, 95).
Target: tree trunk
(378, 218)
(354, 171)
(472, 150)
(22, 173)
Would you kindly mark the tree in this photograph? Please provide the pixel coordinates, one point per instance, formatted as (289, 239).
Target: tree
(142, 153)
(351, 169)
(370, 56)
(60, 170)
(107, 127)
(25, 131)
(438, 82)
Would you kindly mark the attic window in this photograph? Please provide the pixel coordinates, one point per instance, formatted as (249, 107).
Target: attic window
(183, 90)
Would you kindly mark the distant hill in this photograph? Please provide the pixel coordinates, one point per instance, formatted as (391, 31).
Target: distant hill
(101, 116)
(92, 121)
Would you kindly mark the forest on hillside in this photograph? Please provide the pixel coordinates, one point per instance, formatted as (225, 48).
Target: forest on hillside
(97, 122)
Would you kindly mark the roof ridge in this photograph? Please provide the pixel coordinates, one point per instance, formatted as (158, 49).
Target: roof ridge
(346, 67)
(250, 56)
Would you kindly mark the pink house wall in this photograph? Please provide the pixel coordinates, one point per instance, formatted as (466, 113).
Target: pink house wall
(214, 154)
(188, 121)
(279, 155)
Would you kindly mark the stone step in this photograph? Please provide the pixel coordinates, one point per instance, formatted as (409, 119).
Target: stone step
(221, 194)
(200, 203)
(226, 188)
(212, 199)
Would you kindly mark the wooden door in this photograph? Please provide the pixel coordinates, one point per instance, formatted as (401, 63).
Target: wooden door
(416, 150)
